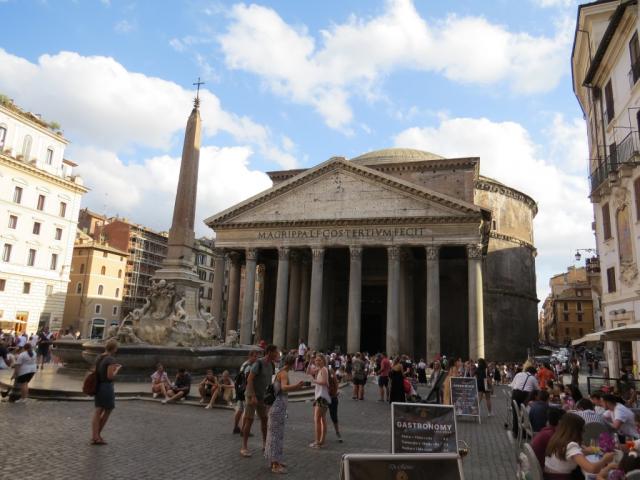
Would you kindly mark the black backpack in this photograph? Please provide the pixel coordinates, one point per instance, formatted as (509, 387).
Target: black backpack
(241, 383)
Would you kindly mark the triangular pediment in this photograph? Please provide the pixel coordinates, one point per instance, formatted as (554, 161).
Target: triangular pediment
(342, 190)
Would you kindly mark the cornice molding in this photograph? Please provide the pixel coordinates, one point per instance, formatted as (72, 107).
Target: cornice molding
(26, 168)
(509, 238)
(354, 221)
(495, 187)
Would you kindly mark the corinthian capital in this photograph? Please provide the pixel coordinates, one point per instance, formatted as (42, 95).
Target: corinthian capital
(318, 253)
(474, 251)
(433, 252)
(283, 253)
(252, 254)
(355, 252)
(393, 252)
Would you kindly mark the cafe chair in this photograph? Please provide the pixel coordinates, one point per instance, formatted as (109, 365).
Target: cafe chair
(509, 417)
(525, 424)
(535, 470)
(592, 431)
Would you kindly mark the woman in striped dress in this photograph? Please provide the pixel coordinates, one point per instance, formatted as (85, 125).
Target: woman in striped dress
(274, 448)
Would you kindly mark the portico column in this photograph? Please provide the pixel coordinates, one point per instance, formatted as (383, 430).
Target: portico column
(249, 294)
(476, 314)
(315, 300)
(355, 297)
(282, 286)
(303, 330)
(234, 292)
(293, 311)
(433, 302)
(218, 285)
(393, 300)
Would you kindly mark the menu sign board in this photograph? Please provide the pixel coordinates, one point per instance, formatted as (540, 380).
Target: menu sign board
(401, 467)
(423, 428)
(464, 396)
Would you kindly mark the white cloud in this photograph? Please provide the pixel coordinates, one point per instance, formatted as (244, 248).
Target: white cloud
(124, 26)
(508, 154)
(100, 103)
(145, 192)
(554, 3)
(354, 56)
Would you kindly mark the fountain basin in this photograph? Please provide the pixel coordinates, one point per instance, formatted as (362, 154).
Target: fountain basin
(70, 352)
(145, 357)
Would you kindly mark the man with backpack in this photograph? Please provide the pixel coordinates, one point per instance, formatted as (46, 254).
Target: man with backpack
(241, 385)
(259, 378)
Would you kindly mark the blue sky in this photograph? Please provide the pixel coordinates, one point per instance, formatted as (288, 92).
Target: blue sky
(290, 84)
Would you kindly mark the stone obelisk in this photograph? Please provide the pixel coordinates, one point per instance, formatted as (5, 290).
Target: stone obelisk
(178, 266)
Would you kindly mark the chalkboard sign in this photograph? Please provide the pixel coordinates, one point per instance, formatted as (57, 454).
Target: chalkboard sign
(401, 467)
(464, 396)
(422, 428)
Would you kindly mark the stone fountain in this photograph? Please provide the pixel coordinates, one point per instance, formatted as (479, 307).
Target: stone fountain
(172, 327)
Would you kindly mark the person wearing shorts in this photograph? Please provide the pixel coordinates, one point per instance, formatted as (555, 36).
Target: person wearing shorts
(257, 381)
(383, 378)
(359, 377)
(25, 367)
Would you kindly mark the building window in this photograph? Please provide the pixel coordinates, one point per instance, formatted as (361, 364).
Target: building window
(613, 153)
(565, 306)
(41, 199)
(98, 308)
(6, 252)
(565, 317)
(117, 293)
(611, 279)
(3, 136)
(82, 268)
(36, 228)
(606, 221)
(13, 221)
(105, 254)
(26, 287)
(54, 261)
(579, 306)
(100, 289)
(566, 331)
(49, 159)
(608, 98)
(103, 270)
(3, 284)
(579, 317)
(634, 53)
(58, 234)
(26, 147)
(114, 312)
(49, 290)
(581, 331)
(119, 273)
(31, 258)
(79, 288)
(578, 293)
(17, 195)
(63, 209)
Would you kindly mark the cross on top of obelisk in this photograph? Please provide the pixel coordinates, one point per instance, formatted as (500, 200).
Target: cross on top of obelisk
(196, 101)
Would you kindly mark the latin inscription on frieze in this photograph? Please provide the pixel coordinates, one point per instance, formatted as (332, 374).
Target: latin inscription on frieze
(341, 233)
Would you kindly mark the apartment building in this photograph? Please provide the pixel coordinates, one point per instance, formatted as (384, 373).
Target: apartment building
(39, 204)
(96, 287)
(606, 74)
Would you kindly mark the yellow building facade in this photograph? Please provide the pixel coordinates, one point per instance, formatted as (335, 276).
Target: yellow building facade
(94, 296)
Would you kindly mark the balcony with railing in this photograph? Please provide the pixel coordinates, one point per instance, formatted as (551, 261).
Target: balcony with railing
(626, 152)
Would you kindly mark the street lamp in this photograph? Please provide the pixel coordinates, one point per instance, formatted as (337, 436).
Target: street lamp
(588, 250)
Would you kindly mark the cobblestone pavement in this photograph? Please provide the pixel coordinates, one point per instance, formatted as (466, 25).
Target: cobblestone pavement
(147, 440)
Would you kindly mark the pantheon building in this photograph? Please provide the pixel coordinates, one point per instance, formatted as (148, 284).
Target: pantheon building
(396, 250)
